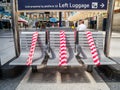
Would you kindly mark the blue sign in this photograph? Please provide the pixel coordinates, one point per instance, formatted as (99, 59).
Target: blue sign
(62, 4)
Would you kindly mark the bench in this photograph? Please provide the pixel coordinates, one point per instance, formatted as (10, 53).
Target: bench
(25, 43)
(54, 48)
(84, 51)
(48, 47)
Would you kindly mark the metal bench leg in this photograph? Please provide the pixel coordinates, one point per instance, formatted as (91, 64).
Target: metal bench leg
(34, 69)
(89, 68)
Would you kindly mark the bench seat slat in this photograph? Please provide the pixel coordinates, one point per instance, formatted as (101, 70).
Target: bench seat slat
(86, 55)
(54, 58)
(25, 44)
(89, 61)
(116, 59)
(55, 44)
(21, 60)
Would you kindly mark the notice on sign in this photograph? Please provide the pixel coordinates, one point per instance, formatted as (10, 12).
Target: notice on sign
(62, 4)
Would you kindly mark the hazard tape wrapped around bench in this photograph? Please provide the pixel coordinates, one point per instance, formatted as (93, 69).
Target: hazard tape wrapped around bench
(54, 49)
(25, 44)
(84, 51)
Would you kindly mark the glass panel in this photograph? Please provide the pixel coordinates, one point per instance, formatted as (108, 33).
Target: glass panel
(115, 39)
(7, 49)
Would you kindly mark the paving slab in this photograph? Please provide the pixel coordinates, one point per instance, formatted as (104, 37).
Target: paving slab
(73, 78)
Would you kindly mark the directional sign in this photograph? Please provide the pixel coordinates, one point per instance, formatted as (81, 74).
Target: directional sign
(62, 4)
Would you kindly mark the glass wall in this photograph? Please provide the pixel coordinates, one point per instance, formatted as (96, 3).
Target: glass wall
(7, 49)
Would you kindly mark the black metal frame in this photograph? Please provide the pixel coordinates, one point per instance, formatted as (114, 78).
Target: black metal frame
(76, 40)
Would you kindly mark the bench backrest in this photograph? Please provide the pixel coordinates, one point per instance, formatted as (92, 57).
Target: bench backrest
(59, 28)
(55, 39)
(98, 39)
(26, 40)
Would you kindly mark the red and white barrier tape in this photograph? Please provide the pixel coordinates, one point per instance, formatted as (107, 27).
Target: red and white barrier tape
(63, 49)
(93, 48)
(32, 48)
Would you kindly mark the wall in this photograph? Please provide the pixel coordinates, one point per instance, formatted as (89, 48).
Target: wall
(116, 22)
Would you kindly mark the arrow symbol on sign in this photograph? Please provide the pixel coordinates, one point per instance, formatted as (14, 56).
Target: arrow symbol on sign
(102, 5)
